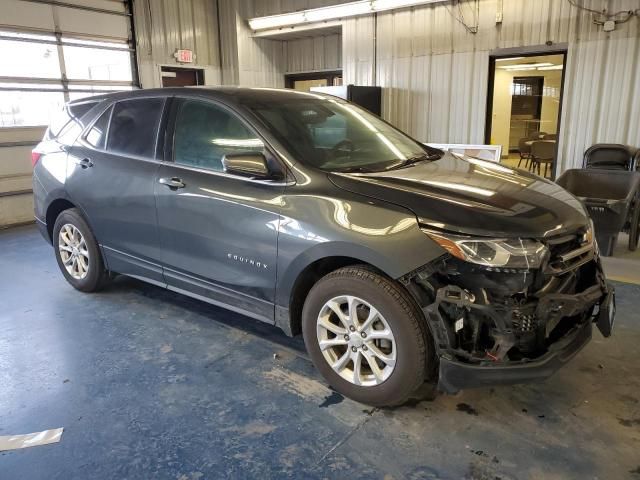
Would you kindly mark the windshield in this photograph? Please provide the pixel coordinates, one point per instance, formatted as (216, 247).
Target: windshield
(334, 135)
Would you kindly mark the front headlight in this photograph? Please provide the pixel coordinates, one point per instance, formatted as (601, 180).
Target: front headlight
(508, 253)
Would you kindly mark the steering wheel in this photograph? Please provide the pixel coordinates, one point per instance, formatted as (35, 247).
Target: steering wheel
(340, 148)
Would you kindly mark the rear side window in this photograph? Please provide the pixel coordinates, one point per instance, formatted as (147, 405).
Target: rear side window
(133, 127)
(204, 133)
(97, 135)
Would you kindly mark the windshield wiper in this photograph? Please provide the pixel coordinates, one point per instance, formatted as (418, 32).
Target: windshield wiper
(421, 157)
(413, 160)
(355, 170)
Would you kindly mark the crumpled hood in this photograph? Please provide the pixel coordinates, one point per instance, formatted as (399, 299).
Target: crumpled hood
(472, 196)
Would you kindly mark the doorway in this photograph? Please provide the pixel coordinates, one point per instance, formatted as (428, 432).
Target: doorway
(181, 77)
(523, 109)
(305, 81)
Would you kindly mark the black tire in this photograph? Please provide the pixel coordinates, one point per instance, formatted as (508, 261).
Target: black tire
(96, 275)
(634, 227)
(414, 358)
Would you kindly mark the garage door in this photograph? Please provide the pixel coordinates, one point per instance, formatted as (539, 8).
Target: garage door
(53, 52)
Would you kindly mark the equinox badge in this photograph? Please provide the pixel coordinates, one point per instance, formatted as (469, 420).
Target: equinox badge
(249, 261)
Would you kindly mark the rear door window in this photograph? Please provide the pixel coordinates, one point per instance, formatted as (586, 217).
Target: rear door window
(133, 128)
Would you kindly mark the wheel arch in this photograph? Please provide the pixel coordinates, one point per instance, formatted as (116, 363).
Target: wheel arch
(298, 276)
(305, 280)
(55, 208)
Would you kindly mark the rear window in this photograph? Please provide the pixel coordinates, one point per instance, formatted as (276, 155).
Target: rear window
(133, 127)
(74, 111)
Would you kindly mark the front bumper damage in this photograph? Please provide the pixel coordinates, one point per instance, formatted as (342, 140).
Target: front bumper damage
(504, 327)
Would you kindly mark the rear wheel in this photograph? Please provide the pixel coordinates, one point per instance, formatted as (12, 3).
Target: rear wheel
(366, 336)
(77, 252)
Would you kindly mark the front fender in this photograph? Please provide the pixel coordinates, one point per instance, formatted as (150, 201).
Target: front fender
(382, 235)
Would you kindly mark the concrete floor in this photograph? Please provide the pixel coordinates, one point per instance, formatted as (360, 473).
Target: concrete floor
(150, 384)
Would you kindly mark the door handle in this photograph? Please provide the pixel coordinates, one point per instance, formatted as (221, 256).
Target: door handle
(84, 163)
(173, 183)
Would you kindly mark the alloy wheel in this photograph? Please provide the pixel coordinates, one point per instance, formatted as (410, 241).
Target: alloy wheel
(73, 251)
(356, 340)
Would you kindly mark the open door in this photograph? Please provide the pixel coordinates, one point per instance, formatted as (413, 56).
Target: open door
(181, 77)
(524, 104)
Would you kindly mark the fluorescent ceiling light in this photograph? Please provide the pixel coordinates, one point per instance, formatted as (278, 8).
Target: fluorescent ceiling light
(508, 58)
(381, 5)
(345, 10)
(552, 67)
(518, 69)
(275, 21)
(339, 11)
(523, 66)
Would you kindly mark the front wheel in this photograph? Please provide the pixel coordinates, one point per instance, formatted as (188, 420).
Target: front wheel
(77, 252)
(366, 336)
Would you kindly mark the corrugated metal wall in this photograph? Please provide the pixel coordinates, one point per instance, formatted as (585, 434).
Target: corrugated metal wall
(435, 74)
(314, 53)
(264, 62)
(261, 62)
(162, 26)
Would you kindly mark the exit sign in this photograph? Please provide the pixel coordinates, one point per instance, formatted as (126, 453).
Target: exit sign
(184, 56)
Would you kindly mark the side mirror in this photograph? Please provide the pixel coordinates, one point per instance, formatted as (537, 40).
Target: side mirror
(247, 164)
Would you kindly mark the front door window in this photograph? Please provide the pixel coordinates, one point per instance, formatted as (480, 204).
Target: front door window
(205, 133)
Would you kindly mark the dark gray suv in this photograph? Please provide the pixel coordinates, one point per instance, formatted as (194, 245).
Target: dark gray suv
(400, 264)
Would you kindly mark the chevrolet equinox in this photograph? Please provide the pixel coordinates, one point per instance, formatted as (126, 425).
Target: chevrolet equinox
(401, 265)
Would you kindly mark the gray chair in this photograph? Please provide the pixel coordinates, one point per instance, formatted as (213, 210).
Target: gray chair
(550, 136)
(610, 156)
(542, 151)
(524, 147)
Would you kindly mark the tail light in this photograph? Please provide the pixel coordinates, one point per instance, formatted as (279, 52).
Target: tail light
(35, 156)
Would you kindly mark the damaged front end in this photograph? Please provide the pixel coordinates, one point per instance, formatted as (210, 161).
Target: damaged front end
(499, 324)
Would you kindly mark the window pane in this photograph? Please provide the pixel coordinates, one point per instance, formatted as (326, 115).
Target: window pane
(31, 86)
(28, 108)
(133, 127)
(98, 133)
(27, 59)
(205, 133)
(88, 91)
(97, 43)
(84, 63)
